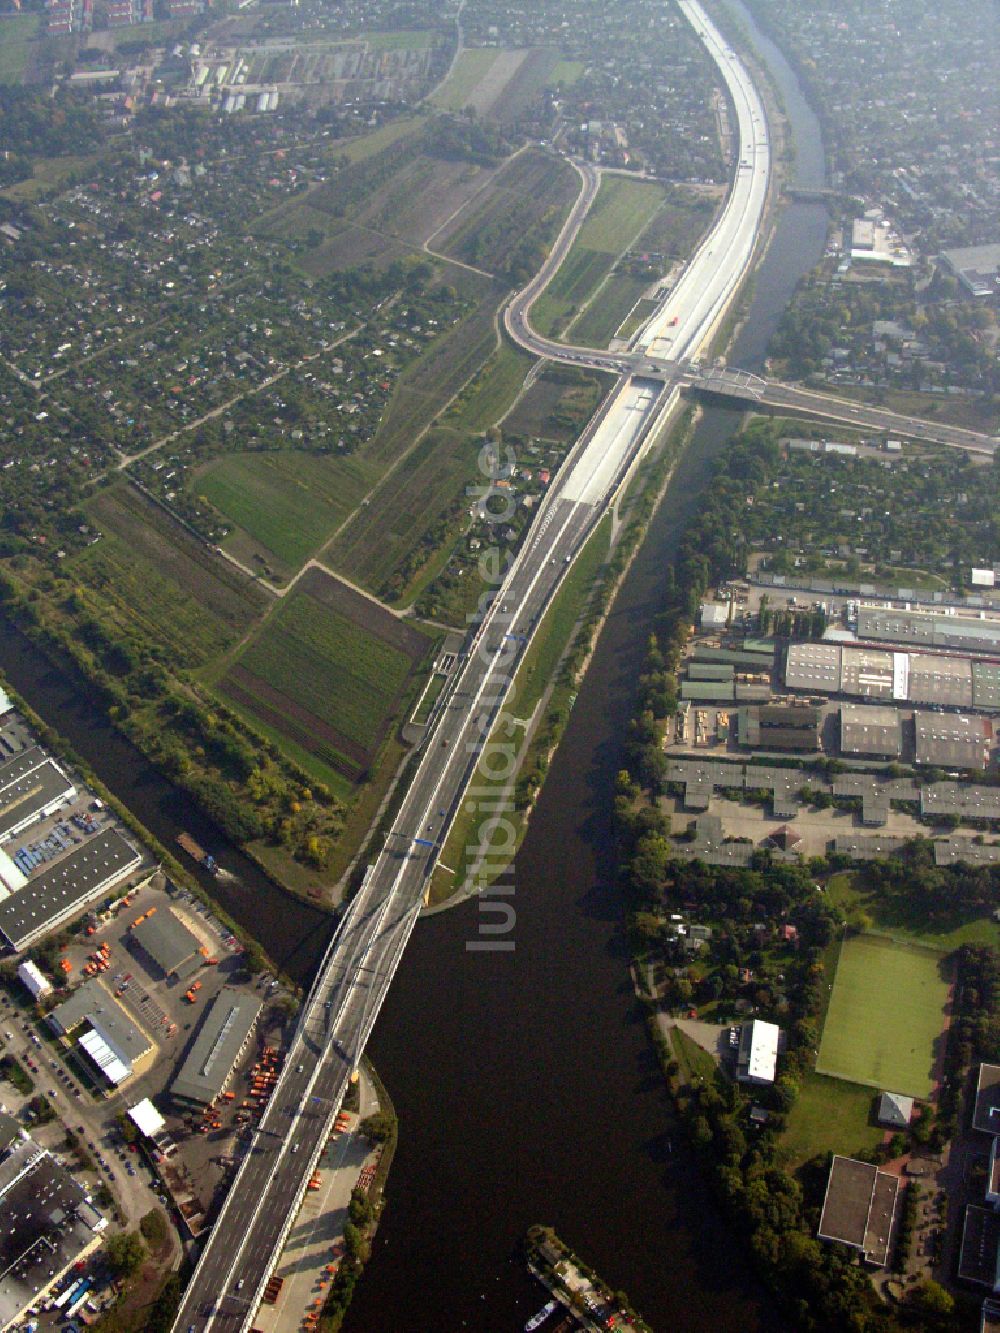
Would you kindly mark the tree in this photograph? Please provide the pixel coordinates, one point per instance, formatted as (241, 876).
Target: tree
(125, 1253)
(930, 1298)
(377, 1127)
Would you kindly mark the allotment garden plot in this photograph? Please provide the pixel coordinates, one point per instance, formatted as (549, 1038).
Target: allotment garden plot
(885, 1024)
(328, 673)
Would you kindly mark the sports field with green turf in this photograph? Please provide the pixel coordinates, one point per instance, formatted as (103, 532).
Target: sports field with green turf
(886, 1017)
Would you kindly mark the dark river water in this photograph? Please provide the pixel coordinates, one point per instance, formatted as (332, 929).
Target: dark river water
(525, 1083)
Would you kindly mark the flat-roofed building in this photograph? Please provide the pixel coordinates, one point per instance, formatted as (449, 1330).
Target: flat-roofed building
(174, 949)
(758, 1052)
(977, 267)
(986, 686)
(979, 1257)
(114, 1045)
(930, 629)
(218, 1046)
(50, 898)
(953, 740)
(859, 1207)
(50, 1223)
(813, 666)
(986, 1113)
(714, 615)
(32, 796)
(936, 679)
(867, 674)
(968, 799)
(780, 727)
(867, 729)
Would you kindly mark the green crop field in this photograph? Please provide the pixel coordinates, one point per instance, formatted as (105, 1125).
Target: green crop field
(621, 210)
(288, 502)
(324, 681)
(886, 1016)
(470, 70)
(159, 578)
(601, 320)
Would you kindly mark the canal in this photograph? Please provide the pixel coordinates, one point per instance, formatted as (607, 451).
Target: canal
(526, 1085)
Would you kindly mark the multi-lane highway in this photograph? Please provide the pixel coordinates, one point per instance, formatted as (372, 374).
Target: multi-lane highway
(339, 1013)
(685, 320)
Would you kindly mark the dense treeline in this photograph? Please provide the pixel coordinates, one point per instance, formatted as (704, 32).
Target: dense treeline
(36, 124)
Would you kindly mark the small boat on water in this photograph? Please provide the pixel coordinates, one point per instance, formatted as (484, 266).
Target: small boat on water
(537, 1320)
(199, 854)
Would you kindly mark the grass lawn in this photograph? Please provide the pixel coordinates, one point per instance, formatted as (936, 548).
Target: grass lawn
(566, 72)
(367, 145)
(16, 32)
(599, 323)
(289, 502)
(696, 1064)
(400, 41)
(829, 1115)
(886, 1015)
(621, 210)
(471, 68)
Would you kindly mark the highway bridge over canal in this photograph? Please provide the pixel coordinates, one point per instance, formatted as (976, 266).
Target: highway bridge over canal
(340, 1010)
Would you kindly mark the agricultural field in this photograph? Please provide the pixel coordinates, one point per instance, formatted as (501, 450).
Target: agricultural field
(164, 583)
(285, 505)
(885, 1022)
(471, 69)
(622, 210)
(555, 407)
(410, 514)
(530, 190)
(600, 322)
(328, 672)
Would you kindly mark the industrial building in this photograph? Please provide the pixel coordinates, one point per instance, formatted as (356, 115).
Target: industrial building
(50, 1224)
(780, 727)
(953, 740)
(758, 1052)
(112, 1043)
(930, 629)
(888, 677)
(221, 1041)
(986, 686)
(175, 950)
(977, 267)
(714, 615)
(813, 666)
(968, 800)
(50, 898)
(34, 980)
(870, 730)
(29, 795)
(869, 674)
(859, 1207)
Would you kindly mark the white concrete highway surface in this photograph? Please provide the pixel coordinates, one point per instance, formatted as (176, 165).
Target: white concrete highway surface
(687, 317)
